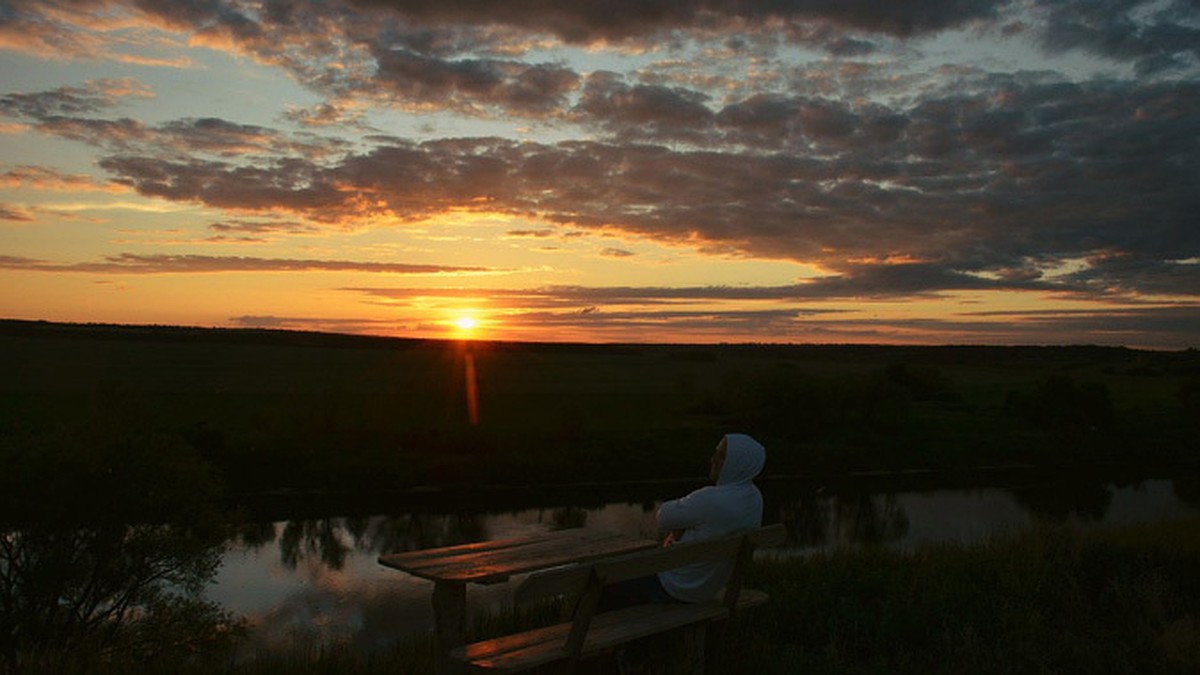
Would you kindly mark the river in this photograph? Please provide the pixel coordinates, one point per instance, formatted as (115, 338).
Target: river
(311, 581)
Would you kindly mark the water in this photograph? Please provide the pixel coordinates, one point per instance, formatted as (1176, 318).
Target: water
(306, 582)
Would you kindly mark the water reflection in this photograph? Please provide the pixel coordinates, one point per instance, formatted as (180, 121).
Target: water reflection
(108, 542)
(1060, 502)
(106, 589)
(317, 579)
(823, 521)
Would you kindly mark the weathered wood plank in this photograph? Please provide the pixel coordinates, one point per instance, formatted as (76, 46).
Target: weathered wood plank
(514, 653)
(500, 561)
(420, 557)
(500, 565)
(569, 580)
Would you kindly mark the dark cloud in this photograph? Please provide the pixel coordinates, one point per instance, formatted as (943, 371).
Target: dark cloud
(615, 313)
(66, 112)
(88, 99)
(285, 183)
(323, 324)
(643, 111)
(412, 78)
(585, 22)
(262, 227)
(1155, 327)
(1012, 176)
(130, 263)
(889, 282)
(1154, 36)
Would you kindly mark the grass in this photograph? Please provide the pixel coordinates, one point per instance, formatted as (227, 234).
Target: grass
(276, 410)
(1048, 600)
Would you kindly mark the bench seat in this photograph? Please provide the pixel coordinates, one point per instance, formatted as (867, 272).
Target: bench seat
(540, 646)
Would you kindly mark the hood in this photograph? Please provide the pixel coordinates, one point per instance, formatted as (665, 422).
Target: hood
(744, 459)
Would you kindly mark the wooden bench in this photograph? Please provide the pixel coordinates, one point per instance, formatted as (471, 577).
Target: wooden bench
(589, 633)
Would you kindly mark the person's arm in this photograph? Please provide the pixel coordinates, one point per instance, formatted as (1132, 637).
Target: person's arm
(677, 515)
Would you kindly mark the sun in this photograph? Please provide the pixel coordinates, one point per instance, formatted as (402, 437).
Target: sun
(465, 323)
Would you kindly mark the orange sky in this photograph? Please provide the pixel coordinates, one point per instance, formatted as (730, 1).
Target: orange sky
(991, 173)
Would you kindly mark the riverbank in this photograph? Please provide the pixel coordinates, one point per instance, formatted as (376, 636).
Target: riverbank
(1051, 599)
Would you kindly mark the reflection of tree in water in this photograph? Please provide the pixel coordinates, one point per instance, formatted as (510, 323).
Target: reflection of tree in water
(1187, 490)
(108, 589)
(807, 520)
(815, 521)
(566, 517)
(330, 540)
(107, 539)
(865, 519)
(1057, 502)
(306, 538)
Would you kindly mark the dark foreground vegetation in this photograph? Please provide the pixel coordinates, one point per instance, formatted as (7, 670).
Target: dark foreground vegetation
(127, 454)
(1051, 600)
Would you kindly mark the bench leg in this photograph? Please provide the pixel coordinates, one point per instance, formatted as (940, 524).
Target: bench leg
(714, 642)
(450, 617)
(694, 649)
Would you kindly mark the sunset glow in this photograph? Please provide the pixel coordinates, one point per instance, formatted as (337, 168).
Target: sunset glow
(987, 173)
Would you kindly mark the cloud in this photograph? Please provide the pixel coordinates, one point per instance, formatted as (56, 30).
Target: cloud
(888, 283)
(262, 227)
(722, 313)
(464, 84)
(44, 178)
(586, 23)
(324, 324)
(1153, 36)
(130, 263)
(1008, 173)
(92, 97)
(644, 111)
(15, 214)
(712, 125)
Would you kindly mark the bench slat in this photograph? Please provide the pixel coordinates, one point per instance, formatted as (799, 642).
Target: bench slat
(522, 651)
(496, 561)
(571, 580)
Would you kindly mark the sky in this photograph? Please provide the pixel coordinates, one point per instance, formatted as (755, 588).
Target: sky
(793, 171)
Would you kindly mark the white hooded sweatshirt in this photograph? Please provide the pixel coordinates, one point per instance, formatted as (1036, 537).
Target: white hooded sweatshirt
(732, 505)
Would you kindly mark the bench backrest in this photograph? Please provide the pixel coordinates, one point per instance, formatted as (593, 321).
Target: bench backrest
(588, 580)
(574, 579)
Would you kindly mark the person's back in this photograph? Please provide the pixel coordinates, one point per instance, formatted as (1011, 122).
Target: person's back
(733, 504)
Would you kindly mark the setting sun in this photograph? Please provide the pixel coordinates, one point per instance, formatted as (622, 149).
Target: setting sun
(466, 323)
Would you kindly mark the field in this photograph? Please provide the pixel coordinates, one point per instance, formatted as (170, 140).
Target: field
(271, 411)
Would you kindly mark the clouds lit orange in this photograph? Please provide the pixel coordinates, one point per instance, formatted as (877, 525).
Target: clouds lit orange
(874, 172)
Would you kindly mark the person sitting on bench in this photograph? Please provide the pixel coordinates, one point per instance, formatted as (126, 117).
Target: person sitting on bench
(732, 504)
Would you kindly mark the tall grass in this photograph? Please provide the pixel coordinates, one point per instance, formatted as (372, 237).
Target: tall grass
(1050, 600)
